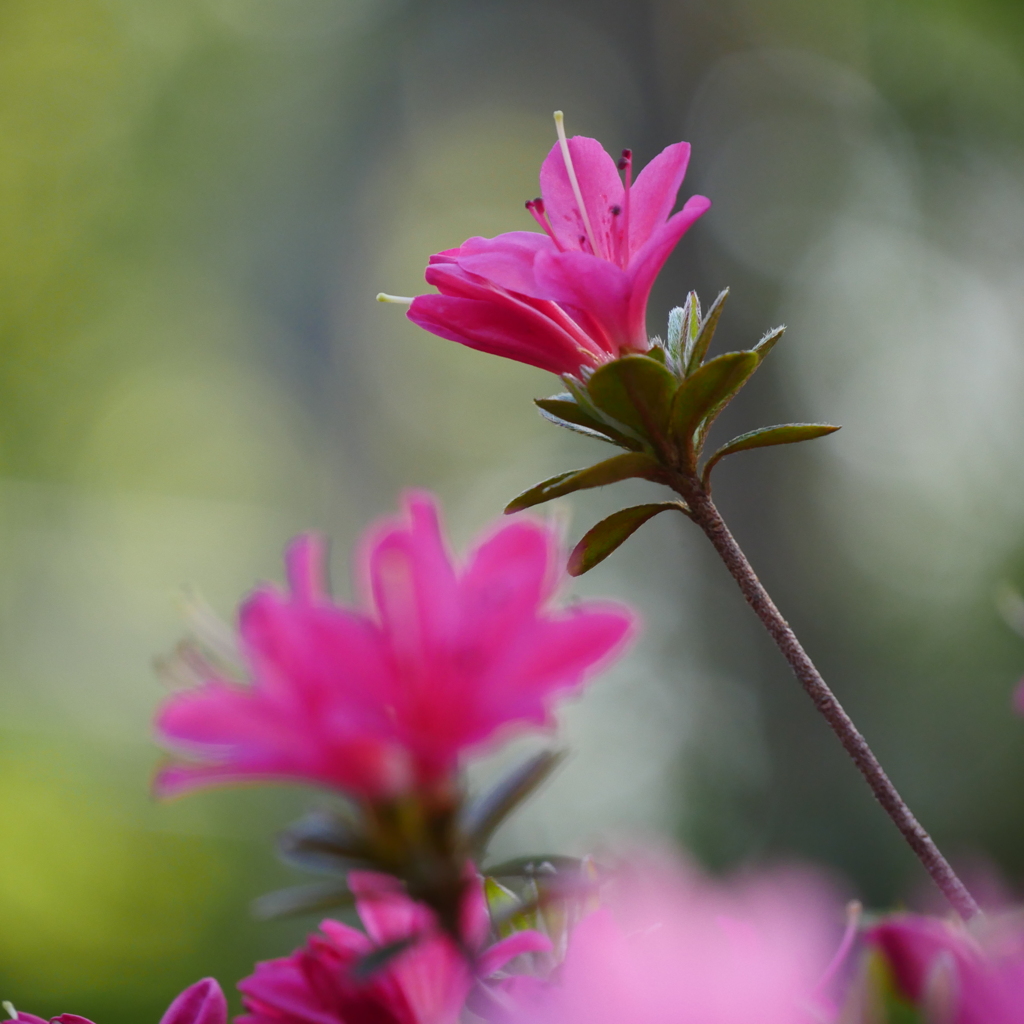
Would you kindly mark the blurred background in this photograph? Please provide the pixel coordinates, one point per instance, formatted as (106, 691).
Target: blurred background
(199, 200)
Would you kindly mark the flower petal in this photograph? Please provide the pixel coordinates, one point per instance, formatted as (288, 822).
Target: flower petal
(647, 262)
(507, 260)
(654, 192)
(507, 580)
(512, 331)
(593, 284)
(600, 187)
(201, 1003)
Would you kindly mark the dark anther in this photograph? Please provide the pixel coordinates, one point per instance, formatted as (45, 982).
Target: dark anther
(627, 156)
(616, 210)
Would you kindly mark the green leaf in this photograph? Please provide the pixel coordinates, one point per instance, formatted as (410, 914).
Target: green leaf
(483, 816)
(635, 390)
(674, 338)
(534, 866)
(697, 348)
(767, 343)
(707, 390)
(301, 899)
(377, 959)
(690, 325)
(563, 411)
(325, 843)
(611, 471)
(603, 539)
(582, 398)
(763, 437)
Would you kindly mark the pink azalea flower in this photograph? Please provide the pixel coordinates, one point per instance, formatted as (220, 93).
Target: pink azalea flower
(427, 983)
(670, 947)
(956, 975)
(201, 1003)
(575, 296)
(383, 699)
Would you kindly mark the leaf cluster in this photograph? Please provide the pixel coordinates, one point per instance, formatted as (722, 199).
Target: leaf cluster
(659, 406)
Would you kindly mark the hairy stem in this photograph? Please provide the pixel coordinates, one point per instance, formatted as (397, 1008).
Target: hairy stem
(708, 518)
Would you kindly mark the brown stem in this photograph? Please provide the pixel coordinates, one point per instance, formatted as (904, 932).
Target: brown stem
(708, 518)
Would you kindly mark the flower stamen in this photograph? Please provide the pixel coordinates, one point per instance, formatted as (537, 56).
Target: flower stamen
(399, 300)
(626, 164)
(537, 211)
(563, 142)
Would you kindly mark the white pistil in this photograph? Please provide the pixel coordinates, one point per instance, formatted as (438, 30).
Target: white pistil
(571, 171)
(398, 300)
(9, 1007)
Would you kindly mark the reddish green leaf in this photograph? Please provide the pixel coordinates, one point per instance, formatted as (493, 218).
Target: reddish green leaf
(637, 391)
(565, 412)
(619, 467)
(763, 437)
(767, 343)
(707, 390)
(698, 343)
(607, 535)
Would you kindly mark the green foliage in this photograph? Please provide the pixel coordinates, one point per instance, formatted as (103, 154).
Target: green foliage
(485, 814)
(601, 540)
(763, 437)
(611, 471)
(702, 331)
(635, 390)
(704, 394)
(659, 406)
(565, 412)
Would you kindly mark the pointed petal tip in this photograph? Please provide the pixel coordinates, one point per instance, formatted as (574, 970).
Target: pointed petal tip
(201, 1003)
(305, 560)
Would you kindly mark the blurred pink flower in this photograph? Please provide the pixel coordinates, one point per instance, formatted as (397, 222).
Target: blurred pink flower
(201, 1003)
(426, 983)
(575, 296)
(383, 700)
(958, 976)
(670, 947)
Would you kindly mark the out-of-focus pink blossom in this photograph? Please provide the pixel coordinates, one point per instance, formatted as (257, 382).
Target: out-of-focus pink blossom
(201, 1003)
(385, 699)
(670, 947)
(575, 296)
(956, 975)
(426, 983)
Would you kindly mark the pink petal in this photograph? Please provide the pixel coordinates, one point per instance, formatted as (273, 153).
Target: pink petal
(305, 559)
(218, 715)
(507, 260)
(201, 1003)
(64, 1018)
(512, 331)
(350, 942)
(647, 262)
(593, 284)
(509, 577)
(653, 194)
(494, 958)
(413, 583)
(278, 991)
(557, 656)
(310, 661)
(387, 913)
(600, 187)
